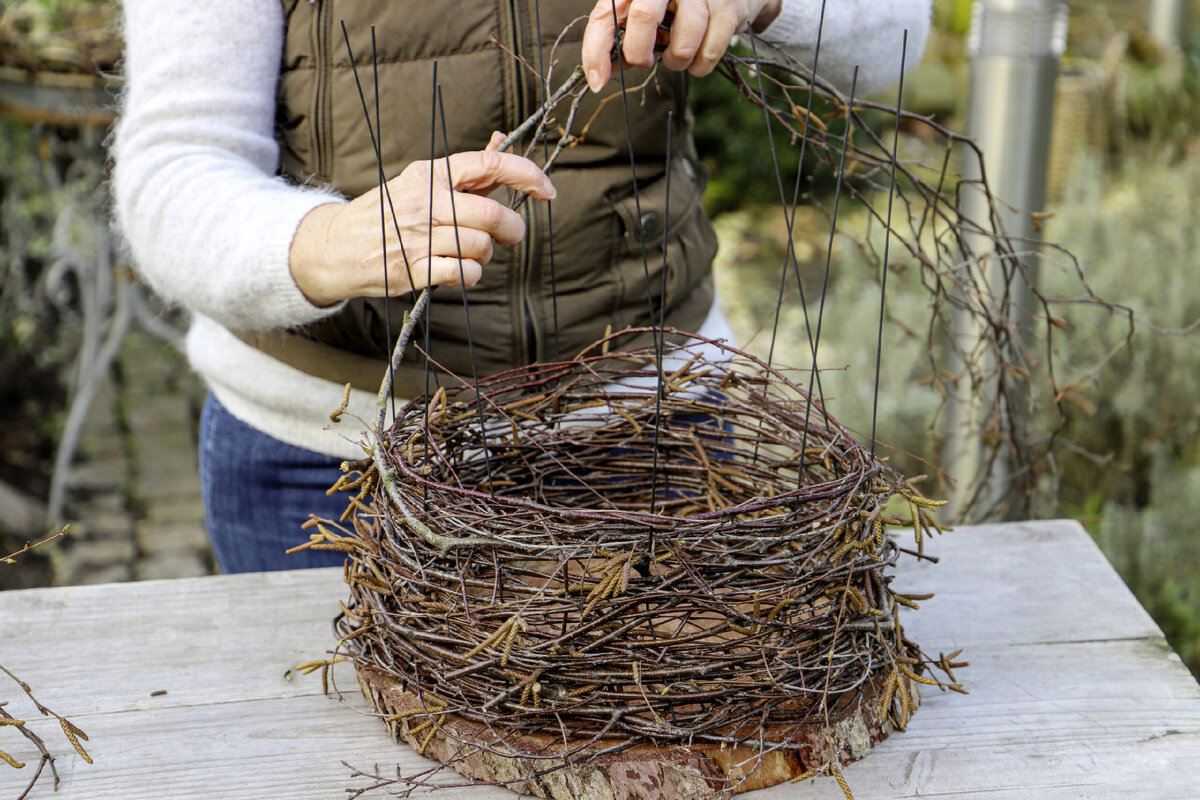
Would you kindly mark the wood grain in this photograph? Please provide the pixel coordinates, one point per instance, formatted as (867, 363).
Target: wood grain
(1074, 693)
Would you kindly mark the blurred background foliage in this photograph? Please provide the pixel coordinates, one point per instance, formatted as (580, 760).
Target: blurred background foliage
(49, 174)
(1124, 196)
(32, 350)
(68, 36)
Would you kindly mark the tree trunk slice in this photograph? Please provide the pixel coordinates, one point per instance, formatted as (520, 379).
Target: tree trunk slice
(644, 771)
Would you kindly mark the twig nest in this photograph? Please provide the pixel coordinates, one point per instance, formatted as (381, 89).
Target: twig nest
(570, 551)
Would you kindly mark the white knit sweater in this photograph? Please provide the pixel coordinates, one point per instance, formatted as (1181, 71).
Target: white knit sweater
(209, 224)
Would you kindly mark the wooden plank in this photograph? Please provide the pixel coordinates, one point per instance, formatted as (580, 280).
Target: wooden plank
(1160, 772)
(1100, 720)
(1074, 693)
(204, 640)
(1042, 582)
(1020, 583)
(281, 749)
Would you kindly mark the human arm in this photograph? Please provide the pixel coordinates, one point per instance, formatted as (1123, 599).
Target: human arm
(700, 32)
(338, 252)
(867, 34)
(863, 33)
(209, 223)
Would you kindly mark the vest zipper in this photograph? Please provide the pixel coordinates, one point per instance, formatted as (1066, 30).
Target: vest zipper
(323, 112)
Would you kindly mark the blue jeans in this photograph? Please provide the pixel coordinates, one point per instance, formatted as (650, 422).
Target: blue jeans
(258, 491)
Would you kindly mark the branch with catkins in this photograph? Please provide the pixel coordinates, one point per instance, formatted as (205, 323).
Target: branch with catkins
(72, 732)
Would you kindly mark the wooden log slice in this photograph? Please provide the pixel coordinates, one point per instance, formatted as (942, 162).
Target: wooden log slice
(645, 771)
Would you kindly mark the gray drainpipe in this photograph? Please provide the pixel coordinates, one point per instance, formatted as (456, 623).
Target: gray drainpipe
(1167, 23)
(1015, 48)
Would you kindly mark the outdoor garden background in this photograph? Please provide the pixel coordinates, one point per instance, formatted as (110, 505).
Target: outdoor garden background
(1124, 199)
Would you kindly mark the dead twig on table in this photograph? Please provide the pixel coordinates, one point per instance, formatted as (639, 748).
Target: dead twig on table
(72, 733)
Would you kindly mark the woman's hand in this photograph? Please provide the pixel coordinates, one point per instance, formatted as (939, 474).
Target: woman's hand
(699, 35)
(338, 252)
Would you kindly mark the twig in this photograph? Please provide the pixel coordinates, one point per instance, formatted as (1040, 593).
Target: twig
(70, 731)
(11, 557)
(535, 118)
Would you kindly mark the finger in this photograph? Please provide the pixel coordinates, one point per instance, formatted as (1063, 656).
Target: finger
(722, 25)
(481, 171)
(469, 243)
(687, 34)
(445, 271)
(641, 31)
(770, 10)
(496, 140)
(598, 40)
(480, 213)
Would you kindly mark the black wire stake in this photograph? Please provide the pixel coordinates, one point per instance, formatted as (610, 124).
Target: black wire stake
(789, 214)
(637, 200)
(462, 283)
(837, 200)
(385, 192)
(790, 254)
(657, 335)
(660, 337)
(378, 141)
(537, 21)
(887, 240)
(433, 95)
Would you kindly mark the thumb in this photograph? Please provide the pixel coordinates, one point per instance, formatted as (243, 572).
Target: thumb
(496, 140)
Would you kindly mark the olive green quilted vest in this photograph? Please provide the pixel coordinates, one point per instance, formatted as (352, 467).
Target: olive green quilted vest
(598, 276)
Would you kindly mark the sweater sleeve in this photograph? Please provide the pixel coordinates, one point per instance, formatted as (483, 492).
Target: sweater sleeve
(207, 221)
(863, 33)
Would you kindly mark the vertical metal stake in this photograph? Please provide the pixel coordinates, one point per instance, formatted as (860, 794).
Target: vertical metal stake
(1015, 48)
(1167, 23)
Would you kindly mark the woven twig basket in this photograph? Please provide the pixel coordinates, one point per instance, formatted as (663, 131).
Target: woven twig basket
(567, 573)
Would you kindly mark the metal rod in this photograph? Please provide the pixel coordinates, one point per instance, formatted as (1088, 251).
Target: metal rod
(377, 138)
(462, 284)
(545, 84)
(1015, 48)
(660, 323)
(837, 202)
(887, 241)
(1167, 23)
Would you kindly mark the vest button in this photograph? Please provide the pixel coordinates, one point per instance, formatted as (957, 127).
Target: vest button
(651, 226)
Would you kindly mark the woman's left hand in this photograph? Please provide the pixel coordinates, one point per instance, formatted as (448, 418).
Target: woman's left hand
(699, 34)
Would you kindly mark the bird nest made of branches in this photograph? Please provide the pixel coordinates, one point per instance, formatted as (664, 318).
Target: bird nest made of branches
(570, 564)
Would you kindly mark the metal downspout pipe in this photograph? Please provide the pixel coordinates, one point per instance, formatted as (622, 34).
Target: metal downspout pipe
(1015, 48)
(1167, 23)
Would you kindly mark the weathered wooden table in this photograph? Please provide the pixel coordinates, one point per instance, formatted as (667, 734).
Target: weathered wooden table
(1074, 692)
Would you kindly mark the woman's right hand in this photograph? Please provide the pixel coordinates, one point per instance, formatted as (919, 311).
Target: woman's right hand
(338, 252)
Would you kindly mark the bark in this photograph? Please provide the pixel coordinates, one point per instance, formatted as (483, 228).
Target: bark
(643, 772)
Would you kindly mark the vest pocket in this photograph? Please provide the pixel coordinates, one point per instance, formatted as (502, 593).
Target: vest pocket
(648, 222)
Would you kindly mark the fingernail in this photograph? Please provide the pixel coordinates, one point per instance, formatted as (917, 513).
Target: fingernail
(595, 83)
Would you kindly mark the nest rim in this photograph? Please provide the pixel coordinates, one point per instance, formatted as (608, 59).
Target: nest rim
(869, 467)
